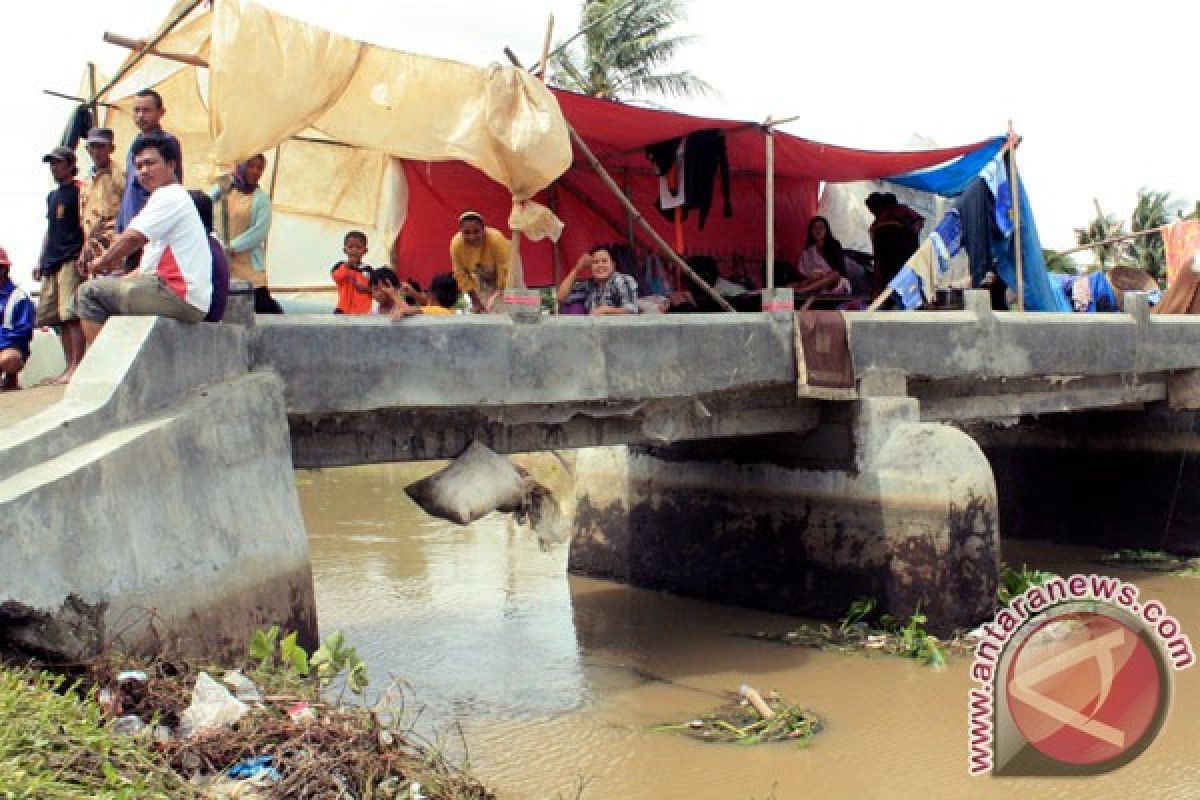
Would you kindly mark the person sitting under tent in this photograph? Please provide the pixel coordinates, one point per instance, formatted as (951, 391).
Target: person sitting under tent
(174, 278)
(894, 234)
(480, 256)
(822, 264)
(607, 291)
(17, 316)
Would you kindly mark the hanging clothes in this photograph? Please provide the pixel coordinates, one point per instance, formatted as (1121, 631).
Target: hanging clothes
(78, 125)
(1181, 241)
(703, 157)
(976, 212)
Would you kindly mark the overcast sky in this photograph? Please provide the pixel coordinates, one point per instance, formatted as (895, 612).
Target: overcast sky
(1104, 93)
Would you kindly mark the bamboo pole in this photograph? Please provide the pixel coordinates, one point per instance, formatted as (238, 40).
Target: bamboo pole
(1015, 182)
(630, 208)
(140, 44)
(1112, 240)
(93, 108)
(150, 45)
(76, 99)
(770, 207)
(555, 250)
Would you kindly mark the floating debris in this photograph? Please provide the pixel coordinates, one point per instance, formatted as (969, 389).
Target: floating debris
(747, 722)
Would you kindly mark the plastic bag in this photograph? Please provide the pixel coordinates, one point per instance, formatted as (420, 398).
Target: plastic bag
(476, 483)
(212, 707)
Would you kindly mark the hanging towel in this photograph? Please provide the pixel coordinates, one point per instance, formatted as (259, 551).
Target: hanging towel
(995, 175)
(907, 286)
(824, 364)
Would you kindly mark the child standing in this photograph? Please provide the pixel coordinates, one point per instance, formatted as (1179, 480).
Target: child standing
(352, 277)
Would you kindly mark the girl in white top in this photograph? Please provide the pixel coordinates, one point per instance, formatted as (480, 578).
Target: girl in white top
(822, 263)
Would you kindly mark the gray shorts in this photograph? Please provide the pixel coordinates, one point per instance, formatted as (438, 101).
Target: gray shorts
(134, 296)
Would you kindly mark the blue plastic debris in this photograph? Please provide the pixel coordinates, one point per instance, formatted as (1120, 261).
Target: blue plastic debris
(256, 767)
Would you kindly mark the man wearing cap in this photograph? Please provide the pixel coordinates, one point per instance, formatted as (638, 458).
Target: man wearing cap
(60, 250)
(100, 198)
(16, 326)
(174, 278)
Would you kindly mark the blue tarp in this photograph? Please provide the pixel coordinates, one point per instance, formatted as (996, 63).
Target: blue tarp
(950, 181)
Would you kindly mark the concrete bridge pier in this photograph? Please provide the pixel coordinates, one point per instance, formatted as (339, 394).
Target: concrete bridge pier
(870, 503)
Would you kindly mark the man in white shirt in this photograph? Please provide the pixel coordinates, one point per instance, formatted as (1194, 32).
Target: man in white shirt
(174, 278)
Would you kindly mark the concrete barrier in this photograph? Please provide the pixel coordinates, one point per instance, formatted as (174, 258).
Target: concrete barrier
(155, 507)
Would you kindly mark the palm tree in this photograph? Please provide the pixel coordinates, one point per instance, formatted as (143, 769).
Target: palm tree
(623, 47)
(1104, 226)
(1153, 210)
(1057, 262)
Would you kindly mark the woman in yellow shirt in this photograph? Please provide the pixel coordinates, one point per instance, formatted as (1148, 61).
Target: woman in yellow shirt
(480, 256)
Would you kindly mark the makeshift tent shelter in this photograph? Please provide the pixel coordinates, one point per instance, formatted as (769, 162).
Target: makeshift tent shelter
(359, 136)
(334, 116)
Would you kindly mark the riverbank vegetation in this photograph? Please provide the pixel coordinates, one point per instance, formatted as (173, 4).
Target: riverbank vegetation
(117, 729)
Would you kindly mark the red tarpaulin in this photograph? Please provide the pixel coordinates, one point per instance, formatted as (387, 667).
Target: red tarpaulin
(618, 135)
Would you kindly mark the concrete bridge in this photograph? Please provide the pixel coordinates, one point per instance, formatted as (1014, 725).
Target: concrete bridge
(163, 482)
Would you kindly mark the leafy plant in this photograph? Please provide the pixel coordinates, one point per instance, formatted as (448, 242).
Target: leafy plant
(859, 609)
(331, 658)
(1016, 582)
(916, 642)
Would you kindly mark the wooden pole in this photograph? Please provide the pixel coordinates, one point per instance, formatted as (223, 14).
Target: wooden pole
(150, 45)
(630, 208)
(555, 250)
(85, 100)
(1112, 240)
(543, 66)
(140, 44)
(770, 206)
(93, 108)
(1015, 182)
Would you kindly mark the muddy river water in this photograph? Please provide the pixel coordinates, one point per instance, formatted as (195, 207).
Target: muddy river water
(555, 680)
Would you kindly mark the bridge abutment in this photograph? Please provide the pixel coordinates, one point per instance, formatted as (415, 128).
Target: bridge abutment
(872, 503)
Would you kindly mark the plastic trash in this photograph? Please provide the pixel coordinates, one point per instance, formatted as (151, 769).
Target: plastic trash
(109, 701)
(212, 707)
(128, 725)
(243, 687)
(755, 699)
(302, 713)
(132, 675)
(257, 767)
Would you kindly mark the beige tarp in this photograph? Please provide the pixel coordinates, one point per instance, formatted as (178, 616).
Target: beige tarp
(333, 115)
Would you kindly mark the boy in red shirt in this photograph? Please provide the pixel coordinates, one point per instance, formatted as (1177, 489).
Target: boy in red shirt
(352, 277)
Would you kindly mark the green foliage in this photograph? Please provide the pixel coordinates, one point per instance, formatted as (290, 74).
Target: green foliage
(1100, 228)
(859, 610)
(1015, 582)
(624, 47)
(293, 655)
(262, 646)
(333, 657)
(54, 744)
(1153, 210)
(330, 660)
(915, 642)
(1057, 262)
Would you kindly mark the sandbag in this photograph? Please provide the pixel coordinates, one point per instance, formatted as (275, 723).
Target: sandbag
(473, 485)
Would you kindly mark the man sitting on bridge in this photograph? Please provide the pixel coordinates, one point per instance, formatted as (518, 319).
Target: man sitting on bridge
(174, 278)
